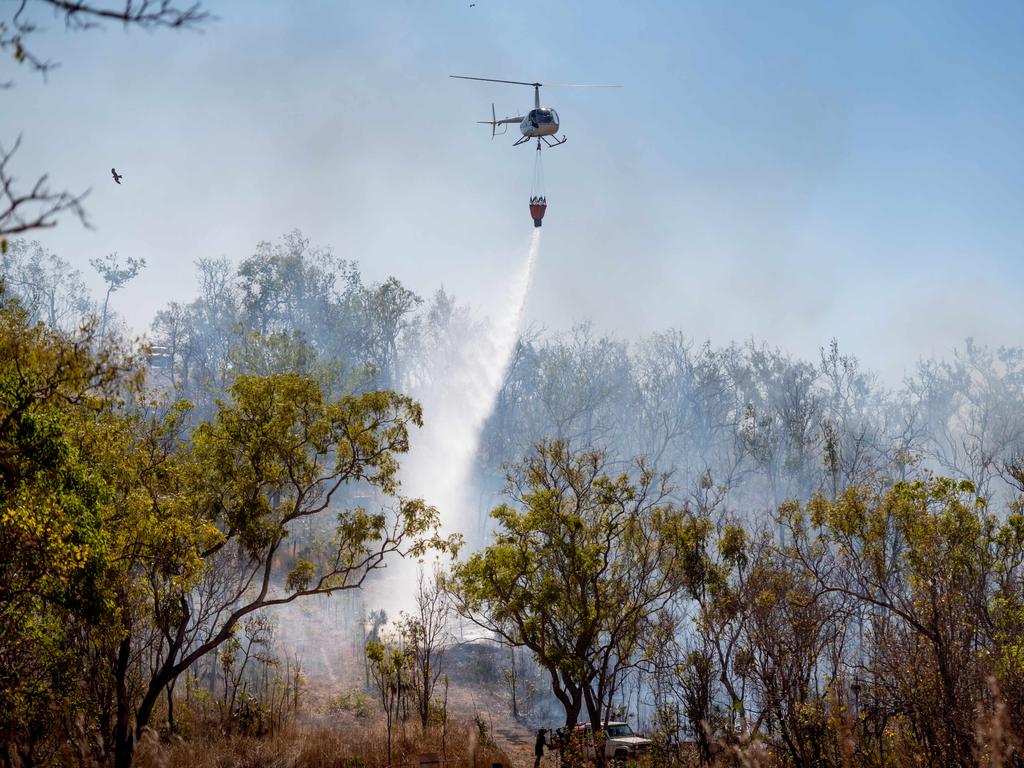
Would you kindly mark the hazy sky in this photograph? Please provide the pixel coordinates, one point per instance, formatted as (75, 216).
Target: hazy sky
(784, 171)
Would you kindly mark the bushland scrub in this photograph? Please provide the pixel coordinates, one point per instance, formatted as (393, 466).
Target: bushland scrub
(740, 552)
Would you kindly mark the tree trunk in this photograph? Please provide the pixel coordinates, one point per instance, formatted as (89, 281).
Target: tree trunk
(171, 727)
(512, 679)
(596, 728)
(124, 732)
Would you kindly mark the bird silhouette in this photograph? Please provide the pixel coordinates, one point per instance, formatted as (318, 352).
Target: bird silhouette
(116, 175)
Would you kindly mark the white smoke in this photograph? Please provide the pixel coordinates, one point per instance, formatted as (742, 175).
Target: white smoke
(456, 405)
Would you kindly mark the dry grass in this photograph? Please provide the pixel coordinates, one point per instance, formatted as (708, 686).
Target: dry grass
(349, 744)
(997, 744)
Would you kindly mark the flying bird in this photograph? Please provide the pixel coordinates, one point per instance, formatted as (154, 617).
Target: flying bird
(116, 175)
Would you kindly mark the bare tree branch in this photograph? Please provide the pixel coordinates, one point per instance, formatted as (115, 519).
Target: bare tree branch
(80, 15)
(12, 40)
(35, 208)
(144, 13)
(39, 207)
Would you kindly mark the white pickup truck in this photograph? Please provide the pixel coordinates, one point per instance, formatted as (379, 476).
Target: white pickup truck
(621, 743)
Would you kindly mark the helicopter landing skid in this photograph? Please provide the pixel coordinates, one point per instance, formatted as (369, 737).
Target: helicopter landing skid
(547, 140)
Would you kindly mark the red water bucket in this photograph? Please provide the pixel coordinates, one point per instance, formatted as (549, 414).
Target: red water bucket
(537, 207)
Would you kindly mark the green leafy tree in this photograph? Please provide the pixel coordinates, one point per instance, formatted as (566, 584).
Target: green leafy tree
(273, 459)
(389, 667)
(116, 276)
(919, 557)
(130, 552)
(61, 449)
(577, 572)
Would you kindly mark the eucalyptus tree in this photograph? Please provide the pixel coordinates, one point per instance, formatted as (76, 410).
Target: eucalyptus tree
(116, 276)
(780, 425)
(274, 456)
(46, 286)
(578, 571)
(930, 566)
(683, 414)
(60, 454)
(136, 545)
(973, 412)
(425, 631)
(853, 424)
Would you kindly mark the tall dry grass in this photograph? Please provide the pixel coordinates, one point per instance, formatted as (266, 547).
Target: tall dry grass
(349, 744)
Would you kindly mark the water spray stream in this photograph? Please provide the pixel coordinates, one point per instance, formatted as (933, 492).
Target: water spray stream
(439, 466)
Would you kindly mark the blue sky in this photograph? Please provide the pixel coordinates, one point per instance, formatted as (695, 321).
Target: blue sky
(783, 171)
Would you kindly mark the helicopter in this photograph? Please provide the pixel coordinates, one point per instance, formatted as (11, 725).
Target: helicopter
(540, 123)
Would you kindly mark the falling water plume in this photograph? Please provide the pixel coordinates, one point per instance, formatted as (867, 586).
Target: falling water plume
(455, 407)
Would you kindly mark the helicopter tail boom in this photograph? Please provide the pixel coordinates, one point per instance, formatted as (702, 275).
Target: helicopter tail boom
(494, 122)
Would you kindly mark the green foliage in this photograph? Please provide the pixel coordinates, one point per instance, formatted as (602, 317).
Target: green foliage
(110, 519)
(483, 730)
(930, 564)
(353, 702)
(732, 545)
(301, 576)
(885, 610)
(389, 665)
(62, 442)
(577, 573)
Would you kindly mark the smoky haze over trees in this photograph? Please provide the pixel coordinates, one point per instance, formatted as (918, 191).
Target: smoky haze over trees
(747, 551)
(744, 421)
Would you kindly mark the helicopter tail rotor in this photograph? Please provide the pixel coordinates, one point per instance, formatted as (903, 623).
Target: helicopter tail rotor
(494, 122)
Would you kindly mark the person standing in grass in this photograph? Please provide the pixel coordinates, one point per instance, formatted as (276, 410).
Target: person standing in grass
(538, 747)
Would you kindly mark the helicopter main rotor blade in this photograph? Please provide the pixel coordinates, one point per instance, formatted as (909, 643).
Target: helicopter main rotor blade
(577, 85)
(492, 80)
